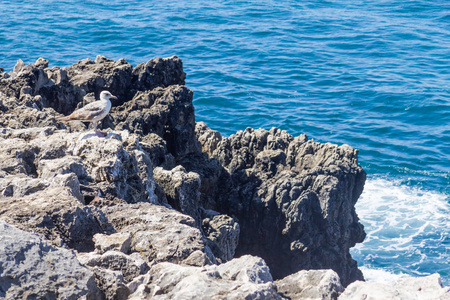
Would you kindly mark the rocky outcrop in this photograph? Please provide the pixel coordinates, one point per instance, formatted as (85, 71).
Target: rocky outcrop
(161, 191)
(30, 268)
(292, 197)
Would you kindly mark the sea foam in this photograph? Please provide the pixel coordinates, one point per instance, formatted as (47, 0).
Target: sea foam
(407, 231)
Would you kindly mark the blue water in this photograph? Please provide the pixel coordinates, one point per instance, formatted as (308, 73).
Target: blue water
(372, 74)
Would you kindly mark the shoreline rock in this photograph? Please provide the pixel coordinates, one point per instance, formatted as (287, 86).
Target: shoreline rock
(163, 204)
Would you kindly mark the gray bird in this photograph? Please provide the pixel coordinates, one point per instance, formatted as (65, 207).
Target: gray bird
(92, 112)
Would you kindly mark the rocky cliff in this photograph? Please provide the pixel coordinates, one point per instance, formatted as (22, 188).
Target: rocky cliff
(163, 206)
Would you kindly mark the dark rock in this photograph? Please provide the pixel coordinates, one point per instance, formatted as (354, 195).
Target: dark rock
(156, 72)
(182, 190)
(293, 199)
(168, 112)
(222, 233)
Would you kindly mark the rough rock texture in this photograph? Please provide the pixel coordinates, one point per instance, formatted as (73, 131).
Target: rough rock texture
(409, 288)
(158, 233)
(182, 190)
(312, 284)
(130, 266)
(293, 198)
(222, 233)
(231, 280)
(286, 199)
(116, 241)
(30, 268)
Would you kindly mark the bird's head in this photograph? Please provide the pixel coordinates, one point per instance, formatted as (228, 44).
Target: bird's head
(105, 95)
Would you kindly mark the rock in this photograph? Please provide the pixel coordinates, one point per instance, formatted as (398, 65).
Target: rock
(289, 199)
(31, 268)
(182, 190)
(312, 284)
(246, 268)
(171, 281)
(199, 258)
(129, 266)
(409, 288)
(116, 241)
(222, 234)
(167, 112)
(115, 166)
(207, 137)
(293, 199)
(156, 72)
(111, 283)
(158, 233)
(57, 215)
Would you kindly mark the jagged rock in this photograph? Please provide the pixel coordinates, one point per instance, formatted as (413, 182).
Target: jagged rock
(208, 138)
(182, 190)
(222, 234)
(116, 241)
(115, 166)
(158, 233)
(312, 284)
(167, 112)
(228, 281)
(111, 283)
(246, 268)
(156, 72)
(199, 258)
(409, 288)
(31, 268)
(293, 199)
(57, 215)
(130, 266)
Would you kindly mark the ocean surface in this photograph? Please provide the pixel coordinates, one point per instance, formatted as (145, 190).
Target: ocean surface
(373, 74)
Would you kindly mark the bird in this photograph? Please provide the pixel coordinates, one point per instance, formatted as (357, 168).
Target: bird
(92, 112)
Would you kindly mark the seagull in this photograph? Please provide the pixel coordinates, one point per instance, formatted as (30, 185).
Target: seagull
(92, 112)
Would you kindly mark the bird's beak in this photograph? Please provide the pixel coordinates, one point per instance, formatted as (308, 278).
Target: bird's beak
(113, 98)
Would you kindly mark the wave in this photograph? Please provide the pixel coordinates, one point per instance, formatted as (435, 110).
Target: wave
(407, 229)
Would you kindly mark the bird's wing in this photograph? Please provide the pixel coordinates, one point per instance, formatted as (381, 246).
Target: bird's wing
(88, 112)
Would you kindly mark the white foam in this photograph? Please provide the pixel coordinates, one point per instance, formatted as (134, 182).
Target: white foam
(407, 229)
(380, 275)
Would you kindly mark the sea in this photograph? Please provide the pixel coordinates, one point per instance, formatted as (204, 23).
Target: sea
(373, 74)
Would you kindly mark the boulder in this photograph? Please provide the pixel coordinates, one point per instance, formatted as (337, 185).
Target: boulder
(312, 284)
(33, 269)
